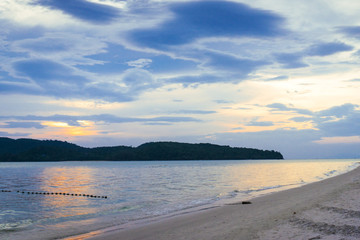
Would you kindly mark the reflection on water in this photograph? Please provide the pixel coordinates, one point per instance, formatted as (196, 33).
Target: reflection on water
(65, 180)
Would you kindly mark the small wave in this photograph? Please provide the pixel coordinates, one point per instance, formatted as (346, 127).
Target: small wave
(128, 208)
(233, 193)
(15, 226)
(328, 174)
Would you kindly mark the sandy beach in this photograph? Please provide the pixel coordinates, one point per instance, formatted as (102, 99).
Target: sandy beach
(328, 209)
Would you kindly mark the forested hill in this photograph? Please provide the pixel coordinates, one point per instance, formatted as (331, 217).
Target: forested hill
(22, 150)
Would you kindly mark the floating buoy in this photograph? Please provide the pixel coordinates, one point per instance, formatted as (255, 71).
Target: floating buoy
(65, 194)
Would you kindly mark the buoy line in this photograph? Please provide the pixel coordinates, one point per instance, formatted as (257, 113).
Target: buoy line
(57, 193)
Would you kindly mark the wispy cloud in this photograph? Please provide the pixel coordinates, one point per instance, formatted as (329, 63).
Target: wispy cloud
(194, 112)
(23, 125)
(73, 120)
(291, 60)
(6, 134)
(228, 63)
(352, 31)
(322, 49)
(325, 49)
(341, 120)
(278, 78)
(284, 108)
(260, 123)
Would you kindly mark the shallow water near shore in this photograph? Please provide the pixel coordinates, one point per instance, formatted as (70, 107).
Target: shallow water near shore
(33, 204)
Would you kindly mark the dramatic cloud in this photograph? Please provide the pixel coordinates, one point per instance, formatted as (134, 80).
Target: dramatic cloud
(199, 19)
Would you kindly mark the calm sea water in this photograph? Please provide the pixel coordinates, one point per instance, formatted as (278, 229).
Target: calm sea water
(34, 209)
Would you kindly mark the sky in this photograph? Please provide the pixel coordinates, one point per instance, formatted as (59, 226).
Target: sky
(268, 74)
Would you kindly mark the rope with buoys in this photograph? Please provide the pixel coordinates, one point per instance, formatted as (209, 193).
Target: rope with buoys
(57, 193)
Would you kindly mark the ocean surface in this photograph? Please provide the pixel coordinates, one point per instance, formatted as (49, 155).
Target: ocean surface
(46, 200)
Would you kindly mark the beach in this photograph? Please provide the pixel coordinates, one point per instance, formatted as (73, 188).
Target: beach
(328, 209)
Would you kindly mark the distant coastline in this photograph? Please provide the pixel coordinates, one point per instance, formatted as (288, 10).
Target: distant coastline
(32, 150)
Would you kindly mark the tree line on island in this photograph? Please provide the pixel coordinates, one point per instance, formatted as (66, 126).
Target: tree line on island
(23, 150)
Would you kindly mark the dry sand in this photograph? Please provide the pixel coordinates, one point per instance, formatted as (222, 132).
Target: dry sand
(329, 209)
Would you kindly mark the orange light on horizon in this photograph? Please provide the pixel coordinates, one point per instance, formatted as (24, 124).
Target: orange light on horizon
(78, 131)
(85, 128)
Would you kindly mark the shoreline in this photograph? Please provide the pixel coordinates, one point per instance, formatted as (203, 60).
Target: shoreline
(236, 221)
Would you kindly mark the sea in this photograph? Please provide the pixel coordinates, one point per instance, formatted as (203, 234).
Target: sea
(58, 200)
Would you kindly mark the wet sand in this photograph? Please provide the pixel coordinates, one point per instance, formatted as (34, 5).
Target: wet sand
(329, 209)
